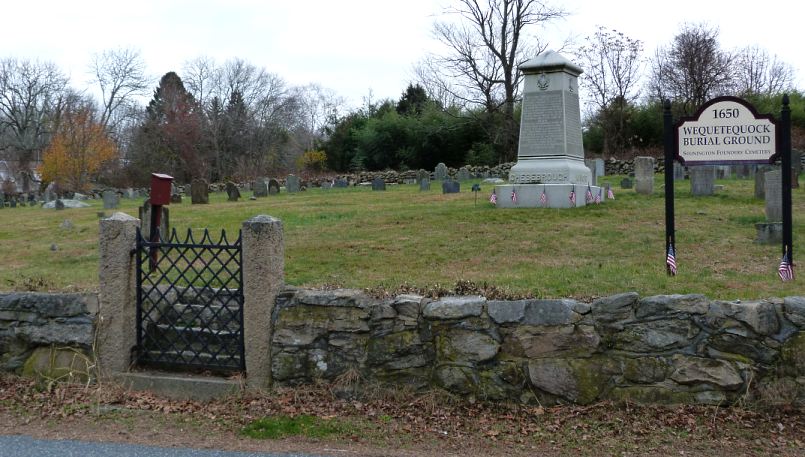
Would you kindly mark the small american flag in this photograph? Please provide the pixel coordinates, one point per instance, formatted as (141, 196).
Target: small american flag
(514, 196)
(573, 196)
(598, 197)
(493, 199)
(786, 270)
(670, 260)
(543, 199)
(588, 197)
(610, 194)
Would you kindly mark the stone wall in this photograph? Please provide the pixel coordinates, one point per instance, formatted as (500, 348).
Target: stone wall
(666, 349)
(40, 332)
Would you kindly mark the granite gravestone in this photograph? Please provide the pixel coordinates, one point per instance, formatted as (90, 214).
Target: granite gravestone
(590, 164)
(424, 184)
(378, 184)
(451, 187)
(679, 171)
(232, 192)
(440, 173)
(59, 204)
(774, 196)
(422, 174)
(760, 180)
(341, 183)
(292, 184)
(145, 220)
(261, 187)
(110, 199)
(199, 192)
(463, 174)
(644, 175)
(702, 180)
(50, 192)
(273, 187)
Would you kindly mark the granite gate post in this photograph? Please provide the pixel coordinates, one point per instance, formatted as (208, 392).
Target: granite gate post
(263, 269)
(117, 298)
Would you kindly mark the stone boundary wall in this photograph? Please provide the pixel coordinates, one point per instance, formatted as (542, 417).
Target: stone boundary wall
(659, 349)
(41, 331)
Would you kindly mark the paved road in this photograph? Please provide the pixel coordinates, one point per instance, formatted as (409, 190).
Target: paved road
(25, 446)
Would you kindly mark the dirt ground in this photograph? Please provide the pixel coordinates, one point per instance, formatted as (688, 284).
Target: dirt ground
(394, 423)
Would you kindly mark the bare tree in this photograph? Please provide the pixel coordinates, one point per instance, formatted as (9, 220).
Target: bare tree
(317, 104)
(201, 78)
(613, 64)
(121, 77)
(484, 49)
(692, 69)
(758, 73)
(30, 91)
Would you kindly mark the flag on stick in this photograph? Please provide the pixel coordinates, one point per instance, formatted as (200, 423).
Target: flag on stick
(573, 196)
(543, 199)
(493, 199)
(610, 194)
(786, 269)
(670, 260)
(514, 197)
(598, 197)
(588, 197)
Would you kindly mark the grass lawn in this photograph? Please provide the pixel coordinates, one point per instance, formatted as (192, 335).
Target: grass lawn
(403, 237)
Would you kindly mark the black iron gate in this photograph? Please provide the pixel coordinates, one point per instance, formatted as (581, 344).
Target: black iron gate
(190, 303)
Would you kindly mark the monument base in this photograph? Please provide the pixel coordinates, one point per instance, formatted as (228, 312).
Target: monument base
(553, 170)
(556, 195)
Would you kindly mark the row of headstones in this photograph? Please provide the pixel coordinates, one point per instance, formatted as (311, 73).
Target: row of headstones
(14, 201)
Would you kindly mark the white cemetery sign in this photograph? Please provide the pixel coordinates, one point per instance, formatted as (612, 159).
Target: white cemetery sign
(726, 130)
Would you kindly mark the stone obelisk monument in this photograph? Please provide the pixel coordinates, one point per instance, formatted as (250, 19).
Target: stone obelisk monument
(550, 157)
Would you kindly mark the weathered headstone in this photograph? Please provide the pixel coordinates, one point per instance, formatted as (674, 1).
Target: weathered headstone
(702, 180)
(723, 172)
(2, 201)
(145, 220)
(644, 175)
(200, 192)
(760, 180)
(261, 187)
(626, 183)
(679, 171)
(774, 196)
(341, 183)
(440, 173)
(273, 187)
(590, 163)
(110, 199)
(59, 204)
(463, 174)
(31, 199)
(232, 192)
(422, 174)
(600, 169)
(327, 185)
(424, 184)
(741, 171)
(378, 184)
(796, 168)
(451, 187)
(292, 184)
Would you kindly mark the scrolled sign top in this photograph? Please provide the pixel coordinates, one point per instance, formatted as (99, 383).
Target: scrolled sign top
(726, 130)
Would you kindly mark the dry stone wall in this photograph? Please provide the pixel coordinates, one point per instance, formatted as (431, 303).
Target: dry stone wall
(660, 349)
(40, 331)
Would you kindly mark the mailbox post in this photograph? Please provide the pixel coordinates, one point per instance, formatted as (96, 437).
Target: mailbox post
(160, 195)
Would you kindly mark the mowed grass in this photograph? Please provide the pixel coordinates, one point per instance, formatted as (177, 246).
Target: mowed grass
(403, 237)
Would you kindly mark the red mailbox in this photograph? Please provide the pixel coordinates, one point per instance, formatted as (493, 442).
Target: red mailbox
(161, 189)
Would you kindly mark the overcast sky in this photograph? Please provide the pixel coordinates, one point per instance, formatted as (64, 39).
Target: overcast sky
(350, 46)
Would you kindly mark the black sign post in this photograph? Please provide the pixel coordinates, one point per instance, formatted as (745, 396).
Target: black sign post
(725, 131)
(670, 154)
(785, 149)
